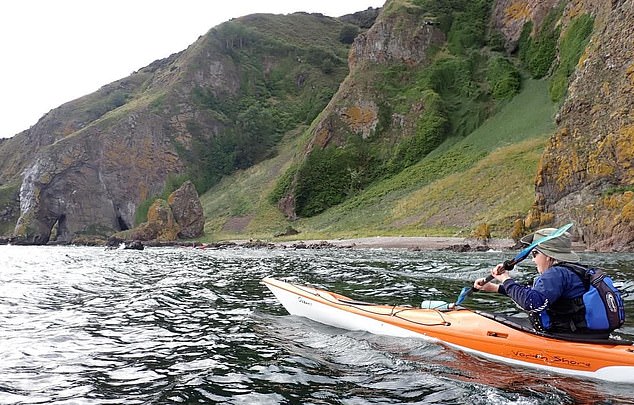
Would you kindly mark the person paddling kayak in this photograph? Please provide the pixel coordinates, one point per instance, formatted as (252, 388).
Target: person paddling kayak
(566, 297)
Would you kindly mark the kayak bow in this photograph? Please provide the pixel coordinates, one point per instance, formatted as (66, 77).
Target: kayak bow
(461, 328)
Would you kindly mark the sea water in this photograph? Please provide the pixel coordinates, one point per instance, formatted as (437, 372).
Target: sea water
(86, 325)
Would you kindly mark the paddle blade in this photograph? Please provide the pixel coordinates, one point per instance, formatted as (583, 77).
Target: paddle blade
(463, 294)
(527, 250)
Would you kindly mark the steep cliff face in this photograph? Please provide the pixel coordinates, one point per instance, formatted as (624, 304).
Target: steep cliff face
(92, 183)
(585, 173)
(587, 170)
(396, 37)
(86, 165)
(393, 39)
(18, 152)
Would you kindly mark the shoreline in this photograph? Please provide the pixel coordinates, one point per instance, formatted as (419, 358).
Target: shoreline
(426, 243)
(397, 242)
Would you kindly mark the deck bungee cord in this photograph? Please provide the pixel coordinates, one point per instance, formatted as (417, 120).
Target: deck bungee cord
(359, 306)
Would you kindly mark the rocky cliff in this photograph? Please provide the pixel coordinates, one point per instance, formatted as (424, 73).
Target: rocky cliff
(86, 166)
(587, 170)
(585, 174)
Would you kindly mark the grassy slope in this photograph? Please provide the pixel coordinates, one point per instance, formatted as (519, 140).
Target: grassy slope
(238, 206)
(485, 177)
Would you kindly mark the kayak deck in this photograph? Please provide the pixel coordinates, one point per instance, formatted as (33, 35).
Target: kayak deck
(461, 328)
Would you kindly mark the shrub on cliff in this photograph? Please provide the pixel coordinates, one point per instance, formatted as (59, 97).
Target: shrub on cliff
(571, 47)
(503, 78)
(469, 26)
(538, 53)
(348, 34)
(324, 180)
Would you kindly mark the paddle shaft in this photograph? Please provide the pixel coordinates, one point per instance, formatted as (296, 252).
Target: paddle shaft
(508, 266)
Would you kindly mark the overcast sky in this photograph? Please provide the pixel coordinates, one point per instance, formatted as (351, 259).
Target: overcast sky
(54, 51)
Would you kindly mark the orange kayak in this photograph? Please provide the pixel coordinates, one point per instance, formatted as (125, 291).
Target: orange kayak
(471, 331)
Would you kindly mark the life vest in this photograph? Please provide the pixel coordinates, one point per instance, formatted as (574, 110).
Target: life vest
(599, 309)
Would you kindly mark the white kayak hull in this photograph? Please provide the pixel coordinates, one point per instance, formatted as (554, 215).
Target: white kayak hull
(461, 329)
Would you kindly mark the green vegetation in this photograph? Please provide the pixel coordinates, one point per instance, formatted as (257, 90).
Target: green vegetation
(256, 128)
(287, 78)
(115, 99)
(464, 21)
(469, 26)
(538, 53)
(9, 204)
(446, 98)
(618, 190)
(348, 34)
(435, 196)
(503, 78)
(421, 181)
(431, 130)
(571, 47)
(501, 157)
(238, 204)
(325, 178)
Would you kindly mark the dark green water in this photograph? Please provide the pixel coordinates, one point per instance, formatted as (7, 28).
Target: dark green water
(189, 326)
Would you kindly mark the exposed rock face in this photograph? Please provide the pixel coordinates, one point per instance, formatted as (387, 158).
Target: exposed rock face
(587, 171)
(160, 225)
(188, 211)
(395, 38)
(92, 182)
(85, 174)
(509, 17)
(181, 216)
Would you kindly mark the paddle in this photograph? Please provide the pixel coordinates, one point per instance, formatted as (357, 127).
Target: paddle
(509, 264)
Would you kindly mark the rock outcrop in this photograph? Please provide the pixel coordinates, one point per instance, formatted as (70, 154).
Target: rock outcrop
(160, 225)
(188, 211)
(396, 38)
(509, 17)
(181, 216)
(92, 183)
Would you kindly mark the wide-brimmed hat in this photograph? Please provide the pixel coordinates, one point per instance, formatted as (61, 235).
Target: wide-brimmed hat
(559, 248)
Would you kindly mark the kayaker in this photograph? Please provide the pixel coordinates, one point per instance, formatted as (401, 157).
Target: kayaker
(554, 302)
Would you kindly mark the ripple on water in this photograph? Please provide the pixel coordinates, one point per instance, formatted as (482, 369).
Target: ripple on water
(173, 325)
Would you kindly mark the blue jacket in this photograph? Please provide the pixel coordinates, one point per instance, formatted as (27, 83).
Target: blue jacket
(555, 283)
